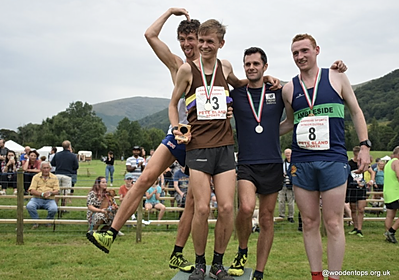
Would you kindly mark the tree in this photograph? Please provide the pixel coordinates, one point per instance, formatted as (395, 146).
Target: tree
(8, 134)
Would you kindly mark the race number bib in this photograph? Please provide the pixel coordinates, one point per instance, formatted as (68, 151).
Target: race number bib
(313, 133)
(218, 104)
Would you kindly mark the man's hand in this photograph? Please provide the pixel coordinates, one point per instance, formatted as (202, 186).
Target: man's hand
(229, 113)
(275, 83)
(180, 12)
(339, 65)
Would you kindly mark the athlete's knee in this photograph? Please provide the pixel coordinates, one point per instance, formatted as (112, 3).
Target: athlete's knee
(246, 210)
(202, 209)
(310, 222)
(266, 219)
(147, 178)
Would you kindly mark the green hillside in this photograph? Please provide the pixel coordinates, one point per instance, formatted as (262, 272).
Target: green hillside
(134, 108)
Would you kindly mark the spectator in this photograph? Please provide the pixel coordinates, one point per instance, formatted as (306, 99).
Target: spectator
(31, 167)
(143, 156)
(109, 168)
(9, 168)
(378, 183)
(3, 151)
(151, 153)
(51, 156)
(168, 184)
(180, 183)
(44, 187)
(356, 193)
(97, 215)
(135, 164)
(130, 179)
(152, 199)
(24, 156)
(374, 165)
(391, 195)
(287, 192)
(66, 164)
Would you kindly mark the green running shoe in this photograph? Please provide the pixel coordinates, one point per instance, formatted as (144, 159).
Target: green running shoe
(360, 233)
(103, 240)
(177, 260)
(237, 267)
(353, 231)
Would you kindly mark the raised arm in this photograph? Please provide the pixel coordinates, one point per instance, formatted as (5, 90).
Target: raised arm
(171, 61)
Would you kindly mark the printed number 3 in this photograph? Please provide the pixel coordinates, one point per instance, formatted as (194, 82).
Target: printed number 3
(312, 135)
(215, 103)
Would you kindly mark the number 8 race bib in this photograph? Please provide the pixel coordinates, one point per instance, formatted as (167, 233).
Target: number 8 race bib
(218, 103)
(313, 133)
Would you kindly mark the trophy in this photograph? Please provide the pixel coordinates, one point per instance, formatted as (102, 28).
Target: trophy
(183, 128)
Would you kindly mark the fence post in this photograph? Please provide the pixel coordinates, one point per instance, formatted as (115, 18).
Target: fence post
(20, 207)
(139, 226)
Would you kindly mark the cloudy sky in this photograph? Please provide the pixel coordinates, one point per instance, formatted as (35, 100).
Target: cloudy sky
(54, 52)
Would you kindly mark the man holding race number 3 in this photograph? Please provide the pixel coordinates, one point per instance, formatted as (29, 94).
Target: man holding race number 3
(314, 102)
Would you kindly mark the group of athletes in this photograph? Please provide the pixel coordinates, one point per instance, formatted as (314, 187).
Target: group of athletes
(314, 104)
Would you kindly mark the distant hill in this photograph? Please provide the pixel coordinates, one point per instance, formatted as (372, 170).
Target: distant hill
(134, 108)
(378, 98)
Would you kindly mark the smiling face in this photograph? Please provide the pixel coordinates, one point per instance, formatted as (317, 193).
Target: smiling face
(254, 67)
(209, 44)
(305, 54)
(32, 157)
(103, 184)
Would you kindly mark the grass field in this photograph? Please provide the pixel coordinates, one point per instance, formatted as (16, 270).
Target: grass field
(66, 254)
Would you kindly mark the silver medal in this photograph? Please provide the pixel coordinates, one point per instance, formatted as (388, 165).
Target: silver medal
(259, 129)
(208, 106)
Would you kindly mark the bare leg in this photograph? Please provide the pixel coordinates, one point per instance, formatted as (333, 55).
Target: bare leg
(391, 213)
(309, 205)
(200, 185)
(160, 160)
(247, 198)
(161, 209)
(360, 213)
(267, 203)
(333, 202)
(224, 191)
(184, 228)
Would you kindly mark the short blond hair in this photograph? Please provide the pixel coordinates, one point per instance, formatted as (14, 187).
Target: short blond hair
(300, 37)
(212, 25)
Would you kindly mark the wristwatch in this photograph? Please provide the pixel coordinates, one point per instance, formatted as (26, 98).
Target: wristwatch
(175, 128)
(366, 143)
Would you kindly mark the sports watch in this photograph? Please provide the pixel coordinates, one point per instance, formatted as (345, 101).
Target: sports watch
(366, 143)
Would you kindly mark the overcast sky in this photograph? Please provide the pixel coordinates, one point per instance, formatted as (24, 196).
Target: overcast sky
(54, 52)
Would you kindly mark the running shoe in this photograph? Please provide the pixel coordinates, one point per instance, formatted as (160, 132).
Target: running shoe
(360, 233)
(218, 272)
(257, 277)
(102, 240)
(177, 260)
(237, 267)
(353, 231)
(199, 272)
(390, 237)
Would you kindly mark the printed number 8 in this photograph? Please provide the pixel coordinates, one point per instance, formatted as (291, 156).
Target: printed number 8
(312, 135)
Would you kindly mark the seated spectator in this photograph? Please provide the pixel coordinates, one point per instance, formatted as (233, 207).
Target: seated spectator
(31, 167)
(9, 168)
(130, 179)
(167, 182)
(97, 213)
(44, 187)
(152, 199)
(180, 183)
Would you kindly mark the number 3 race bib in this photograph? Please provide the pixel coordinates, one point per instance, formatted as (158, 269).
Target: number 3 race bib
(313, 133)
(218, 108)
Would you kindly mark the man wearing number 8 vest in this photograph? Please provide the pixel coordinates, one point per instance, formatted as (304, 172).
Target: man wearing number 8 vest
(314, 102)
(210, 147)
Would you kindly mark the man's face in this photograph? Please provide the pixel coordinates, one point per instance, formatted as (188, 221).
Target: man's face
(1, 143)
(136, 152)
(45, 169)
(209, 44)
(254, 67)
(189, 45)
(304, 54)
(27, 150)
(287, 154)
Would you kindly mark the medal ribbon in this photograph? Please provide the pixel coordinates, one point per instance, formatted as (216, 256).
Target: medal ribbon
(315, 89)
(257, 115)
(208, 89)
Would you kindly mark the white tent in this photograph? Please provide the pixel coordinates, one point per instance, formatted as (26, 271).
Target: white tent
(45, 151)
(14, 146)
(386, 158)
(85, 155)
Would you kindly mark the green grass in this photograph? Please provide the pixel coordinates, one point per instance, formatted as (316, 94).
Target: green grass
(66, 254)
